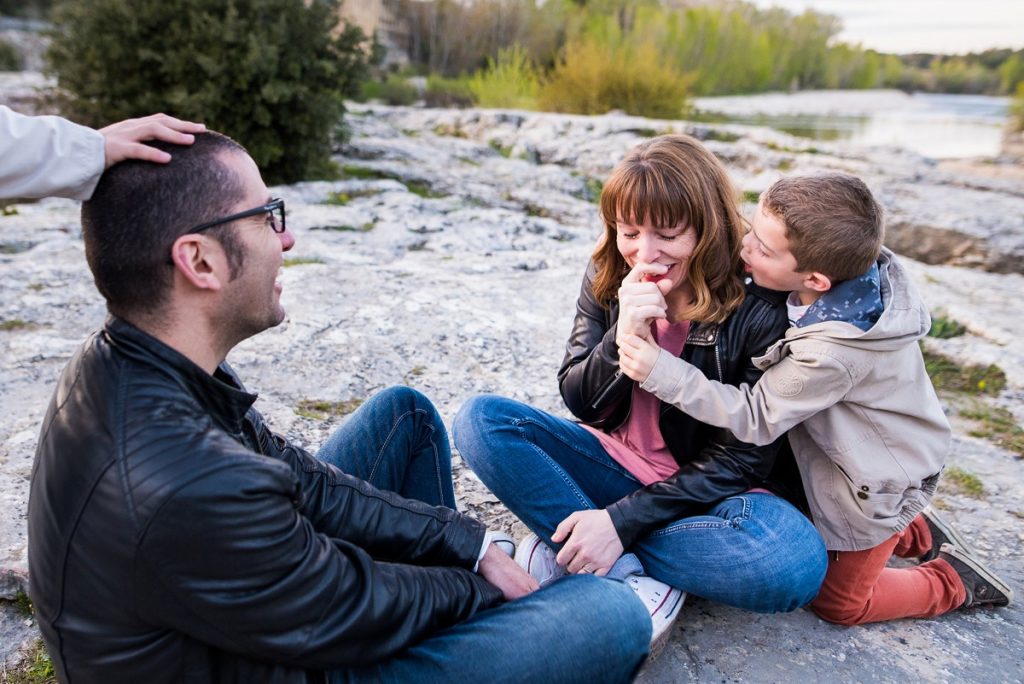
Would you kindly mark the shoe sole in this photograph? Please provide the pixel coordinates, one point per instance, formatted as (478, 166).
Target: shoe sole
(672, 606)
(947, 530)
(977, 566)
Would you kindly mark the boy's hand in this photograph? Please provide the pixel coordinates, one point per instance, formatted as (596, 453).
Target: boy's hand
(637, 356)
(126, 139)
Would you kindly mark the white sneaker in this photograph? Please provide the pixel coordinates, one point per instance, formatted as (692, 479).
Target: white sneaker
(538, 559)
(663, 603)
(503, 541)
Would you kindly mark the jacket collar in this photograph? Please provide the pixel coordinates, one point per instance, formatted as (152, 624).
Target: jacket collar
(221, 394)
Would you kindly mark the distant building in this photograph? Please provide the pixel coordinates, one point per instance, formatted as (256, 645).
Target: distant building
(385, 18)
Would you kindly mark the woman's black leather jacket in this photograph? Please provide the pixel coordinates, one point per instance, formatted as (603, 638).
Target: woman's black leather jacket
(712, 463)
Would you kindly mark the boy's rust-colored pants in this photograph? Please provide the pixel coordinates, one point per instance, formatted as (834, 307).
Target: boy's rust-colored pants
(859, 588)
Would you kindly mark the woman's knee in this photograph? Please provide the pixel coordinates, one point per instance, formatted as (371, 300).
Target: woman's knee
(476, 418)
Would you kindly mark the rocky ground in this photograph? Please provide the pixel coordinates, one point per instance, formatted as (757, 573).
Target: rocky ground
(449, 259)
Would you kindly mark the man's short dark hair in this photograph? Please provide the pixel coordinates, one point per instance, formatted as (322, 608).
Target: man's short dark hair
(140, 208)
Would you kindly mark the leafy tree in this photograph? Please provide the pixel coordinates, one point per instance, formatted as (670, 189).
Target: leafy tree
(270, 73)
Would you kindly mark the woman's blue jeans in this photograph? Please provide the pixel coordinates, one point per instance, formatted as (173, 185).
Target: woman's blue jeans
(586, 630)
(753, 551)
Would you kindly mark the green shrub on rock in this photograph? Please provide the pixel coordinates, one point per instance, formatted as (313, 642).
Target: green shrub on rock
(10, 60)
(270, 73)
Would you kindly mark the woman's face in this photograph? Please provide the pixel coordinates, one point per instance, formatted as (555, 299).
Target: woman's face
(670, 246)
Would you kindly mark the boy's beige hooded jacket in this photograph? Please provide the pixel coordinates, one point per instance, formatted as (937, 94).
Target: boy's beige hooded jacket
(864, 422)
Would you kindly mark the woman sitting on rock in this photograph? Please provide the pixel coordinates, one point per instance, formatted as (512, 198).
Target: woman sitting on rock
(702, 512)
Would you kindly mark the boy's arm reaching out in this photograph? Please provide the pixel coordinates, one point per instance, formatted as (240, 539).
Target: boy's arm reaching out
(796, 388)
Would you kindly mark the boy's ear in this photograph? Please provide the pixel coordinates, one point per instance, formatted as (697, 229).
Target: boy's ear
(198, 260)
(818, 282)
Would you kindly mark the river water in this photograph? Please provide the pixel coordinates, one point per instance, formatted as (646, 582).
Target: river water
(937, 126)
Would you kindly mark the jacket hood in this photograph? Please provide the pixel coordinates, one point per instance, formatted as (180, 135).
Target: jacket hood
(904, 317)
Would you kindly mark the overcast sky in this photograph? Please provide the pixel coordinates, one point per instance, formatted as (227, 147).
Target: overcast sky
(946, 26)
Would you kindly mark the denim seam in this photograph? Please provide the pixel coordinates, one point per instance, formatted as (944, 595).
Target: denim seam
(394, 428)
(570, 483)
(614, 467)
(730, 522)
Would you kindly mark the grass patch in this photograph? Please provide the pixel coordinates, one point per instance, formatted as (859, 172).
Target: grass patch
(454, 131)
(346, 228)
(792, 150)
(37, 668)
(318, 409)
(591, 190)
(643, 132)
(997, 425)
(16, 247)
(505, 152)
(944, 328)
(9, 210)
(422, 189)
(299, 261)
(340, 199)
(751, 196)
(720, 136)
(23, 604)
(15, 324)
(784, 165)
(963, 482)
(947, 375)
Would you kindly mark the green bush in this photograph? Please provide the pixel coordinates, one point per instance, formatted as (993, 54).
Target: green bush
(395, 90)
(1017, 110)
(269, 73)
(596, 76)
(10, 60)
(509, 82)
(448, 92)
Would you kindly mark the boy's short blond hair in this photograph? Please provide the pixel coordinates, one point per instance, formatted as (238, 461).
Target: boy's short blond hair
(833, 223)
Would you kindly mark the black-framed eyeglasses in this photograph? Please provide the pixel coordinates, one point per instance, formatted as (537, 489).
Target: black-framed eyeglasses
(274, 210)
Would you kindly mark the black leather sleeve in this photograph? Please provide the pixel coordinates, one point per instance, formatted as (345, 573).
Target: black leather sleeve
(273, 579)
(589, 379)
(722, 465)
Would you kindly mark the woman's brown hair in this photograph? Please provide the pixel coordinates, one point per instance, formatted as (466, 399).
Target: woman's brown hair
(673, 179)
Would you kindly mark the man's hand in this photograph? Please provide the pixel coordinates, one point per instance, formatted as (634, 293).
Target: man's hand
(124, 139)
(640, 301)
(637, 356)
(500, 570)
(591, 543)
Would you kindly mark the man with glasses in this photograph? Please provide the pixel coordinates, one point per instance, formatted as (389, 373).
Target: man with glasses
(174, 537)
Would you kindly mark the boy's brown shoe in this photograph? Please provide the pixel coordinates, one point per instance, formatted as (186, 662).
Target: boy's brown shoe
(942, 533)
(983, 587)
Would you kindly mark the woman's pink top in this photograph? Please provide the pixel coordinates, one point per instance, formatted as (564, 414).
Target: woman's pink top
(637, 444)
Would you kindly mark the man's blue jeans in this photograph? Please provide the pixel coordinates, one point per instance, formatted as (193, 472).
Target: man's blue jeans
(585, 630)
(753, 551)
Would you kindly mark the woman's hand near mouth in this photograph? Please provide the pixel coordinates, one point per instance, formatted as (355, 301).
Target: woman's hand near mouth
(642, 301)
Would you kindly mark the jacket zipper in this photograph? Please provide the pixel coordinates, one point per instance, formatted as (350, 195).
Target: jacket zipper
(718, 363)
(605, 390)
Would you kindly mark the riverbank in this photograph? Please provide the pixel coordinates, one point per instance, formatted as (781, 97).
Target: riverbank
(449, 259)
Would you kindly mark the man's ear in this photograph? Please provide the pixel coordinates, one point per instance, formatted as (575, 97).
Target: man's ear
(200, 261)
(818, 282)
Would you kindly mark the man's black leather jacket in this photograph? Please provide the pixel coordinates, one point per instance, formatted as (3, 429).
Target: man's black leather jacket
(174, 538)
(712, 463)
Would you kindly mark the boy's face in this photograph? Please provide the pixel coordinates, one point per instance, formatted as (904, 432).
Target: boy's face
(766, 254)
